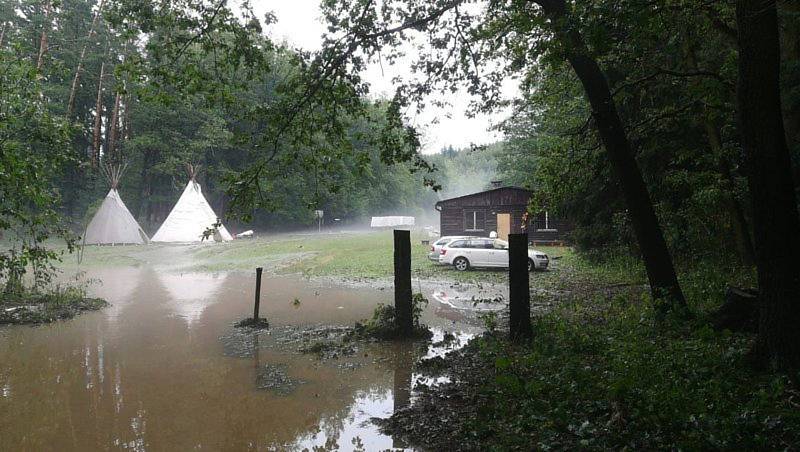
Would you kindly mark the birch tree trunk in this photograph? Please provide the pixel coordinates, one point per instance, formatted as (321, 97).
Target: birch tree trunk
(112, 131)
(98, 119)
(73, 90)
(43, 39)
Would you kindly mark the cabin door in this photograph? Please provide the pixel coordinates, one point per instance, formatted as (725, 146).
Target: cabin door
(503, 225)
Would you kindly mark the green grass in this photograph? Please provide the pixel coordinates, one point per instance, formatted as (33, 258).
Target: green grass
(625, 381)
(364, 255)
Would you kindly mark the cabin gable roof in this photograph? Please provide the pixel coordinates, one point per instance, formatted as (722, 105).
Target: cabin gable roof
(502, 196)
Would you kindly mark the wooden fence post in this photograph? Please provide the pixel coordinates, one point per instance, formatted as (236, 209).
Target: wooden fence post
(519, 287)
(402, 282)
(258, 294)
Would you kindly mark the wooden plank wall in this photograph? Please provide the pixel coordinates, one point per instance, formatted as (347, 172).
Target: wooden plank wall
(505, 200)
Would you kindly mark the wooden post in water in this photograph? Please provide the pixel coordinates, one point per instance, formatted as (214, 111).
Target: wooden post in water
(518, 287)
(403, 317)
(258, 294)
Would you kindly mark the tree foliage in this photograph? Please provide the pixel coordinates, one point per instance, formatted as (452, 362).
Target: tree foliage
(34, 146)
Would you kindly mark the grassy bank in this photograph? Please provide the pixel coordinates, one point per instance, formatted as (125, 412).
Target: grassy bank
(32, 306)
(603, 373)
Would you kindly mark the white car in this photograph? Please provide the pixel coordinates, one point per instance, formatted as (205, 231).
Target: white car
(482, 252)
(436, 247)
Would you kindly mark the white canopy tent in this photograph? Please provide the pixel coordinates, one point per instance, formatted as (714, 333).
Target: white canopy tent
(113, 222)
(391, 221)
(191, 216)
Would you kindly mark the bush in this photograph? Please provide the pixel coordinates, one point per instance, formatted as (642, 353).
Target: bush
(382, 323)
(38, 305)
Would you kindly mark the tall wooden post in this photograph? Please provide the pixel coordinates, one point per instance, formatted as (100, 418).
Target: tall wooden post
(258, 294)
(402, 282)
(519, 289)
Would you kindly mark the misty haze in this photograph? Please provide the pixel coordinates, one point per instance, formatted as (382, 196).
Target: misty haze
(399, 225)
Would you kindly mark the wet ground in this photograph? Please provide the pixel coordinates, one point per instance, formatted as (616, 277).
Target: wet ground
(163, 368)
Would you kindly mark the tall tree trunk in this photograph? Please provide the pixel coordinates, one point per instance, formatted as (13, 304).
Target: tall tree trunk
(657, 260)
(113, 131)
(790, 47)
(776, 221)
(98, 119)
(126, 118)
(106, 130)
(146, 210)
(74, 89)
(43, 38)
(741, 229)
(3, 34)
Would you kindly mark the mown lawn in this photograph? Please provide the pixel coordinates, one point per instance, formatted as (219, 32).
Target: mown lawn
(354, 255)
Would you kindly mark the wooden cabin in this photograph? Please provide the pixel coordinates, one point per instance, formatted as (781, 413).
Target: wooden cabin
(501, 210)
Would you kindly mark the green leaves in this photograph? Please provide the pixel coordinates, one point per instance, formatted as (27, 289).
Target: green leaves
(34, 146)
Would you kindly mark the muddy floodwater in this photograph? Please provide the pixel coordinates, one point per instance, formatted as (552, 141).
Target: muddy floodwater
(163, 368)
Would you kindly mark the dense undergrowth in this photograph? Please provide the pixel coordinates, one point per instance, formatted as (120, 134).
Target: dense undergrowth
(605, 372)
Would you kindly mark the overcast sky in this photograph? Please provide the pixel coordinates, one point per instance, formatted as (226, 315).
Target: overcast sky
(300, 24)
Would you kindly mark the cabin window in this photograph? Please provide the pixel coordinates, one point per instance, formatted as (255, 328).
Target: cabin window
(545, 226)
(474, 220)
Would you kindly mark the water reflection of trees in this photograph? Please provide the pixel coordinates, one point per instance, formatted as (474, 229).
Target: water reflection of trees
(387, 379)
(143, 378)
(404, 362)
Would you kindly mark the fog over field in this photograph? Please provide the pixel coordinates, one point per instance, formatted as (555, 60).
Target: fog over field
(218, 225)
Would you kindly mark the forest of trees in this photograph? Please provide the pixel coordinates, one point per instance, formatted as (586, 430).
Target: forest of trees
(668, 130)
(90, 78)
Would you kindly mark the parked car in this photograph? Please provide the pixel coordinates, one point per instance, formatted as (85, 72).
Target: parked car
(482, 252)
(436, 247)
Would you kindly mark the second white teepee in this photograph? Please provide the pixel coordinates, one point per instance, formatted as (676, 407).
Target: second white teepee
(113, 222)
(190, 217)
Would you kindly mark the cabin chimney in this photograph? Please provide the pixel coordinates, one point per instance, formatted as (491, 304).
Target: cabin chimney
(496, 183)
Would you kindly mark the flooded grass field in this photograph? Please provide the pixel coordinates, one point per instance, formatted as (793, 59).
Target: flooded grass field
(163, 368)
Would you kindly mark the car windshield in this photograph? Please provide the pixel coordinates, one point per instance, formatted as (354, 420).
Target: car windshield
(441, 242)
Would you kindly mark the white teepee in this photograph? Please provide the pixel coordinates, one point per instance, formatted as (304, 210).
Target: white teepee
(190, 217)
(113, 222)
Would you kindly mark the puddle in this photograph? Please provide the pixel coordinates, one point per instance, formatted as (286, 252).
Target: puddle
(163, 368)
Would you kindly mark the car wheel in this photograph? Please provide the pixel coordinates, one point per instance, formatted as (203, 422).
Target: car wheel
(531, 265)
(461, 264)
